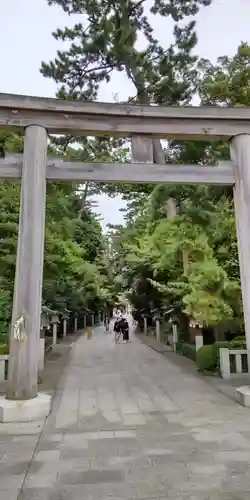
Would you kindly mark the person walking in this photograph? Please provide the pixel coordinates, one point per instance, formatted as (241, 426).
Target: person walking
(106, 323)
(124, 326)
(117, 330)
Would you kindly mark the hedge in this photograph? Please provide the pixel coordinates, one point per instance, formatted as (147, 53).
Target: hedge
(188, 350)
(208, 356)
(4, 349)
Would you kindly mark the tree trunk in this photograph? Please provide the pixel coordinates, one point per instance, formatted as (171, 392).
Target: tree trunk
(83, 200)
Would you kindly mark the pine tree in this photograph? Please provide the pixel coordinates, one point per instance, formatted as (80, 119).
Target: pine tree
(107, 42)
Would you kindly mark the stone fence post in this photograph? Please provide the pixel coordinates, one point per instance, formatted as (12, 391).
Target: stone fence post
(175, 335)
(3, 359)
(65, 318)
(198, 342)
(224, 363)
(54, 321)
(75, 322)
(158, 330)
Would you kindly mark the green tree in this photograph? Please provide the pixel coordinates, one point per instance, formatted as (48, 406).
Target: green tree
(227, 82)
(107, 42)
(76, 269)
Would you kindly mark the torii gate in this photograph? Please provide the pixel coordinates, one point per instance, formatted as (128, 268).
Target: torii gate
(39, 116)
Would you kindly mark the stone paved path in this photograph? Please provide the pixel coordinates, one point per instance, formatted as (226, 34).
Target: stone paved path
(127, 423)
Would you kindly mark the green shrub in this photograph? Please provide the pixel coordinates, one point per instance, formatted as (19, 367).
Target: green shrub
(233, 344)
(178, 347)
(5, 310)
(187, 350)
(240, 338)
(207, 358)
(4, 349)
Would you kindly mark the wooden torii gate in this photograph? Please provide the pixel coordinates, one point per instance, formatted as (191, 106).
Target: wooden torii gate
(40, 116)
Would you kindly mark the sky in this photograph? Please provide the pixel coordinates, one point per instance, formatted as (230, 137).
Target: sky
(26, 40)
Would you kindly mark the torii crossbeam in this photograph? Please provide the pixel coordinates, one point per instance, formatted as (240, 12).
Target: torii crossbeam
(12, 166)
(37, 117)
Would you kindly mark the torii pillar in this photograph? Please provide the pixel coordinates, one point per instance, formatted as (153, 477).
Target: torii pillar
(240, 155)
(22, 402)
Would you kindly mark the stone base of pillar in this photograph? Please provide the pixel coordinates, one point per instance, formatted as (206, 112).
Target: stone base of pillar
(24, 411)
(243, 395)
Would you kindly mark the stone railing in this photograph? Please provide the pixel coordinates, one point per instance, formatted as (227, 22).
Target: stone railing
(226, 365)
(50, 321)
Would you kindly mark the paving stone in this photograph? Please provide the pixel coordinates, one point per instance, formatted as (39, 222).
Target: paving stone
(237, 467)
(162, 459)
(49, 467)
(38, 494)
(107, 435)
(131, 463)
(134, 420)
(153, 475)
(112, 416)
(49, 455)
(124, 444)
(103, 448)
(124, 434)
(12, 482)
(9, 495)
(70, 455)
(214, 495)
(12, 457)
(21, 429)
(72, 442)
(210, 470)
(126, 427)
(54, 438)
(45, 445)
(229, 496)
(40, 480)
(25, 440)
(13, 469)
(91, 477)
(232, 456)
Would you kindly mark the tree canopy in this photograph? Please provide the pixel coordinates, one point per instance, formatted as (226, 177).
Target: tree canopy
(76, 270)
(188, 262)
(150, 248)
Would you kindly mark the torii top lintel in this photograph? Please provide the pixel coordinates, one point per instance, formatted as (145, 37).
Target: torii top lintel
(97, 118)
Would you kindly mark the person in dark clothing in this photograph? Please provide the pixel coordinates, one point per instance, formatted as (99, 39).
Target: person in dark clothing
(117, 330)
(124, 329)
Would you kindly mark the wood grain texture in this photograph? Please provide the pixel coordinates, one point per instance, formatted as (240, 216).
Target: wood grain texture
(60, 116)
(57, 169)
(23, 362)
(21, 102)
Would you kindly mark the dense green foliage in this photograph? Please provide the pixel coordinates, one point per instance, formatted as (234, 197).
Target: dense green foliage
(189, 262)
(208, 356)
(206, 359)
(188, 350)
(76, 270)
(107, 41)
